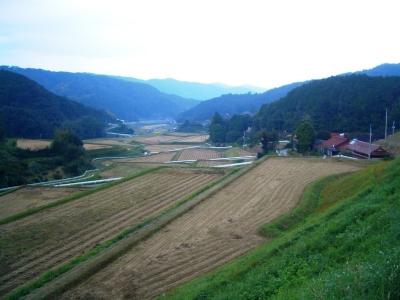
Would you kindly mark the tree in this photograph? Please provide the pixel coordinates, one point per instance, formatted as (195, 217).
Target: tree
(217, 129)
(305, 135)
(67, 144)
(267, 140)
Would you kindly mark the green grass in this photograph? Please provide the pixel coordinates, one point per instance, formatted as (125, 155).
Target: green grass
(54, 273)
(341, 242)
(134, 150)
(73, 197)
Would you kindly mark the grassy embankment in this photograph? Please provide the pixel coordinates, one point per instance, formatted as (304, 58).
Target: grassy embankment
(341, 242)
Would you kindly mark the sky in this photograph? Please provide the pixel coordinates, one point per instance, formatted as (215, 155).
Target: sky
(263, 43)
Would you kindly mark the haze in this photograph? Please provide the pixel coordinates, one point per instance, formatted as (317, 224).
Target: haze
(262, 43)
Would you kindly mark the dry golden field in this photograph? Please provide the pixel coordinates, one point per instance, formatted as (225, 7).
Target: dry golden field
(217, 230)
(43, 240)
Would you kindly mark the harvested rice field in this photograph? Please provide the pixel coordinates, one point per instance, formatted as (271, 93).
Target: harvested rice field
(30, 197)
(222, 227)
(33, 244)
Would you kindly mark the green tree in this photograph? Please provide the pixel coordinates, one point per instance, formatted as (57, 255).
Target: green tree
(217, 129)
(267, 140)
(305, 136)
(67, 144)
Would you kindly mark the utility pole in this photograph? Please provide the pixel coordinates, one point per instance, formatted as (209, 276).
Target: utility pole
(393, 127)
(386, 125)
(370, 141)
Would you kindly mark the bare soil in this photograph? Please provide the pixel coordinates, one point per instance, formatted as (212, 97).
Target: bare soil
(217, 230)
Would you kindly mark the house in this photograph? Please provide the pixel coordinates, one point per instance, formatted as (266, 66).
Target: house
(366, 150)
(336, 143)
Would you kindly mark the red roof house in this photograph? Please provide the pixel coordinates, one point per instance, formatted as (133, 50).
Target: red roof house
(366, 150)
(335, 144)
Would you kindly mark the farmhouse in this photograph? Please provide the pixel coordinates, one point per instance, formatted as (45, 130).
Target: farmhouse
(335, 144)
(366, 150)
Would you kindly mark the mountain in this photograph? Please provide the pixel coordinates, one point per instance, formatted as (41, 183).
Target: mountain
(230, 104)
(342, 103)
(195, 90)
(382, 70)
(29, 110)
(125, 99)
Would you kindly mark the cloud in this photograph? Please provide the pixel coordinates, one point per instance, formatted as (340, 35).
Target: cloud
(265, 43)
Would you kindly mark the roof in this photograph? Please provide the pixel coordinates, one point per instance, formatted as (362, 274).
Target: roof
(365, 148)
(335, 141)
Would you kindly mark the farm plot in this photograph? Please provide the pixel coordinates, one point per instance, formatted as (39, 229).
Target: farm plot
(162, 148)
(212, 163)
(114, 168)
(29, 144)
(95, 146)
(29, 197)
(214, 232)
(108, 142)
(156, 158)
(159, 139)
(38, 242)
(199, 154)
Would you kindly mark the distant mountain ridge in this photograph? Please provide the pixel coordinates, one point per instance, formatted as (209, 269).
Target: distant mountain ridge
(125, 99)
(382, 70)
(195, 90)
(230, 104)
(29, 110)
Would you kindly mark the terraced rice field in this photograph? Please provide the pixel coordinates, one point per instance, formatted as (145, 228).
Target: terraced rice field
(109, 142)
(214, 232)
(36, 243)
(29, 197)
(156, 158)
(211, 163)
(199, 154)
(95, 146)
(162, 148)
(157, 139)
(32, 144)
(41, 144)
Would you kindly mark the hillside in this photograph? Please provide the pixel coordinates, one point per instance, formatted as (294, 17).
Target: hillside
(125, 99)
(382, 70)
(342, 103)
(194, 90)
(334, 245)
(228, 105)
(28, 110)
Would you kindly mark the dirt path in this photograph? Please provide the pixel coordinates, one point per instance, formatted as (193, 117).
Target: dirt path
(218, 230)
(41, 241)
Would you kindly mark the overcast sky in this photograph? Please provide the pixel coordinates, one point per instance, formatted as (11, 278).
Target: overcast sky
(258, 42)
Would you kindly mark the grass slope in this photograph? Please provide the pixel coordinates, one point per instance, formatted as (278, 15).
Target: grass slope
(341, 242)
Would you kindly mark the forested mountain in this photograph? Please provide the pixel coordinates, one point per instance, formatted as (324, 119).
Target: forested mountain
(125, 99)
(29, 110)
(195, 90)
(342, 103)
(382, 70)
(228, 105)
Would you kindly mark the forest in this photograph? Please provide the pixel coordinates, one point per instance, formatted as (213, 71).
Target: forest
(30, 111)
